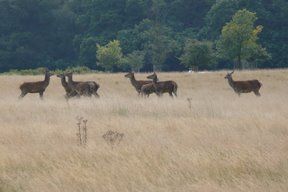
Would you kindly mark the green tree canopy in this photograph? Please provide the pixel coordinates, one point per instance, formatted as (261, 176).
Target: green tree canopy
(134, 60)
(198, 54)
(109, 56)
(60, 34)
(239, 37)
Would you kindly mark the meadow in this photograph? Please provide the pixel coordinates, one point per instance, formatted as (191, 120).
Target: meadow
(222, 143)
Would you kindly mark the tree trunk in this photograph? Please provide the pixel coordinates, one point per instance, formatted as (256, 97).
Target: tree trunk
(239, 62)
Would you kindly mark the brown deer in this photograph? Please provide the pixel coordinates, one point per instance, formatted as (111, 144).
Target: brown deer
(36, 87)
(147, 89)
(69, 92)
(136, 84)
(244, 86)
(163, 86)
(87, 88)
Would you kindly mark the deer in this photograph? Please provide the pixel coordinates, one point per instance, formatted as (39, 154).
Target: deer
(244, 86)
(36, 87)
(136, 84)
(147, 89)
(87, 88)
(163, 86)
(69, 92)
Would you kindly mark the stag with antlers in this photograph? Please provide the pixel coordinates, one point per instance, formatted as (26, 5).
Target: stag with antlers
(244, 86)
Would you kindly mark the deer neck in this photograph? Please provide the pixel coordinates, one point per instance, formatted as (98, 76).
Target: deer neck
(64, 82)
(231, 81)
(70, 82)
(133, 81)
(154, 80)
(47, 79)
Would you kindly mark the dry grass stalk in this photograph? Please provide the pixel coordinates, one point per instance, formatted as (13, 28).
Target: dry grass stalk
(189, 102)
(82, 131)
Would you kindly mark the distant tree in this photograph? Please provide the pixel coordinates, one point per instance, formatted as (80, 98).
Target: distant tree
(198, 54)
(219, 14)
(239, 37)
(109, 56)
(157, 47)
(86, 52)
(188, 13)
(134, 60)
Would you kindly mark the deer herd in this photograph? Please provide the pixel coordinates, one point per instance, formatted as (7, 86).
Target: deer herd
(143, 87)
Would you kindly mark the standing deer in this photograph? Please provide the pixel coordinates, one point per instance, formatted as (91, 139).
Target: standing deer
(163, 86)
(69, 92)
(136, 84)
(87, 88)
(36, 87)
(244, 86)
(147, 89)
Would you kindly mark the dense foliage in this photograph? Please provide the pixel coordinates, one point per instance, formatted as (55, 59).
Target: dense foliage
(238, 40)
(156, 33)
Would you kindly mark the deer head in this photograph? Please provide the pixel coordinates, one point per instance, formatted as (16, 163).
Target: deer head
(68, 74)
(129, 75)
(61, 75)
(153, 77)
(47, 73)
(229, 75)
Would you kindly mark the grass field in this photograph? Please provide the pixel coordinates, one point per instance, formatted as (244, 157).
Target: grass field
(223, 143)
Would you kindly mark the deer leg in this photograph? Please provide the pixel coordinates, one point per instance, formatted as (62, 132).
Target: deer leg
(88, 94)
(257, 93)
(41, 95)
(66, 97)
(171, 95)
(77, 95)
(22, 94)
(70, 94)
(96, 95)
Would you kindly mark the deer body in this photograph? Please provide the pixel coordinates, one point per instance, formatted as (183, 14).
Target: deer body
(35, 87)
(244, 86)
(82, 88)
(163, 86)
(147, 89)
(137, 84)
(69, 92)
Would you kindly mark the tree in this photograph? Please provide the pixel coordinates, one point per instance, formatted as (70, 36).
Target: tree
(219, 14)
(134, 60)
(198, 54)
(239, 37)
(86, 52)
(109, 56)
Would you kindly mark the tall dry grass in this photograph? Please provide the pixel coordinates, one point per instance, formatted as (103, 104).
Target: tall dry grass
(223, 143)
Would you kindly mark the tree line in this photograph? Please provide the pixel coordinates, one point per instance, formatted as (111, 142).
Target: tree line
(143, 35)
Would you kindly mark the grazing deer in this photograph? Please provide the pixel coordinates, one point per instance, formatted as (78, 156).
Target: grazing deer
(136, 84)
(69, 92)
(36, 87)
(244, 86)
(82, 88)
(163, 86)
